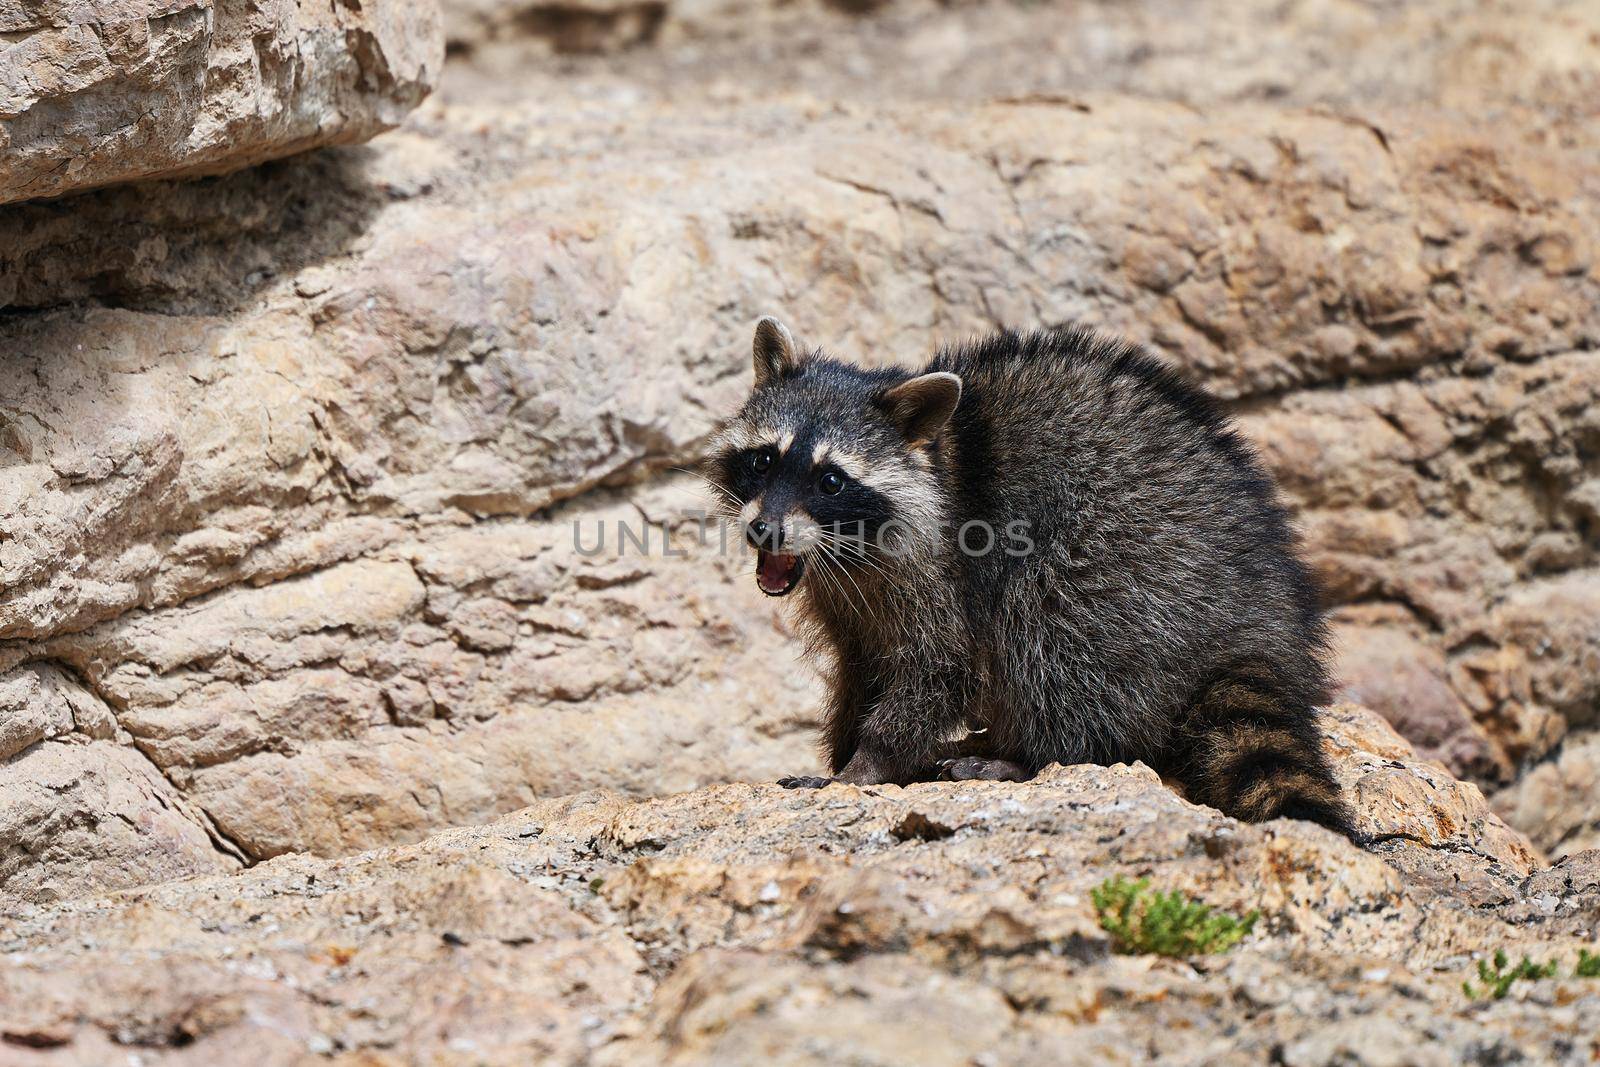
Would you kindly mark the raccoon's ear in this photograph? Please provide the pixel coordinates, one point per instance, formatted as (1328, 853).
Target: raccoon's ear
(774, 351)
(923, 405)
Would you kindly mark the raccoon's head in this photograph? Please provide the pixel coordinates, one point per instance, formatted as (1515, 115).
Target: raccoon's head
(830, 466)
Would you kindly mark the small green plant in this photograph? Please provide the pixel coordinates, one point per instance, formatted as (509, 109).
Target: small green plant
(1497, 979)
(1588, 965)
(1166, 924)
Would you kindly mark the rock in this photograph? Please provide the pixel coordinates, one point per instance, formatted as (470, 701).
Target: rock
(94, 816)
(1557, 623)
(83, 810)
(1456, 53)
(742, 923)
(359, 702)
(1555, 800)
(1387, 667)
(32, 708)
(1400, 797)
(302, 461)
(95, 93)
(589, 26)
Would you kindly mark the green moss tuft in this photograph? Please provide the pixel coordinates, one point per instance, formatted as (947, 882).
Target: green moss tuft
(1165, 924)
(1497, 979)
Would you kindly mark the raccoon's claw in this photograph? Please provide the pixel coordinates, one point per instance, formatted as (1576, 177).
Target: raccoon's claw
(804, 781)
(975, 768)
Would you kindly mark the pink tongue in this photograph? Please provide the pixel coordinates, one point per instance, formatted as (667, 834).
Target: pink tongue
(774, 570)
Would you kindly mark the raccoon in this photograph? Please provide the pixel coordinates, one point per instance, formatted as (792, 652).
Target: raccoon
(1043, 547)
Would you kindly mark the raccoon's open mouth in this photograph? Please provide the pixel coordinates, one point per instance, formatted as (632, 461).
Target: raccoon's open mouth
(778, 574)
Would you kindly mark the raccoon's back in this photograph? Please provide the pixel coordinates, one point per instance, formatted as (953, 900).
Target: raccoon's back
(1160, 547)
(1094, 438)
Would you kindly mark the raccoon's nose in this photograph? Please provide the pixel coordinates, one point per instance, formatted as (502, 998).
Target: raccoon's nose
(761, 535)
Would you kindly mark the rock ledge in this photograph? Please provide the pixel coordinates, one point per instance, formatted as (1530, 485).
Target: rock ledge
(936, 924)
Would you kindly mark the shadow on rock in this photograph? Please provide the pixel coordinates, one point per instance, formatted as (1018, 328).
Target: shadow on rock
(195, 247)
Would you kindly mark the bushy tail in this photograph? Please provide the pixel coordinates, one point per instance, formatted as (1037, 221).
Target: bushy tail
(1248, 750)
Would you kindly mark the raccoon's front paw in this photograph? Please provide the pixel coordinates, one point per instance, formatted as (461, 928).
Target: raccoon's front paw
(976, 768)
(804, 781)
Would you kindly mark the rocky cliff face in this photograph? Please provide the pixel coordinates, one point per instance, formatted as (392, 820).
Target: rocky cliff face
(296, 459)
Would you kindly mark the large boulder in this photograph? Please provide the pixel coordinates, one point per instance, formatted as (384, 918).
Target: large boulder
(95, 92)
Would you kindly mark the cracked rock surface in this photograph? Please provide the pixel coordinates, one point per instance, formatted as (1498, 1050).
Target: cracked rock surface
(941, 923)
(314, 477)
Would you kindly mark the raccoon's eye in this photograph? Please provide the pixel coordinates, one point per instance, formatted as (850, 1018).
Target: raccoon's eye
(831, 482)
(761, 462)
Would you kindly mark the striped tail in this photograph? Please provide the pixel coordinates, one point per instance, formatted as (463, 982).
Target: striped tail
(1250, 752)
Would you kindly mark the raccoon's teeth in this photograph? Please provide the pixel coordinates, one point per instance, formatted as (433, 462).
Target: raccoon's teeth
(776, 573)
